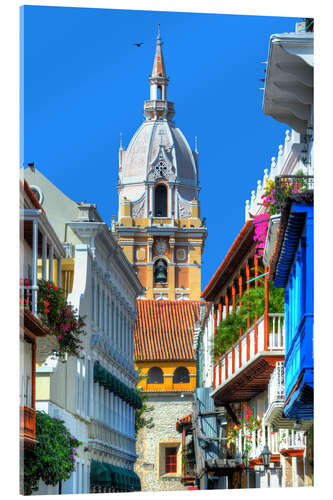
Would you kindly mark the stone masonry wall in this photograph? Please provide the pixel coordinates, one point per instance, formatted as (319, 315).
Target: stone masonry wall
(151, 443)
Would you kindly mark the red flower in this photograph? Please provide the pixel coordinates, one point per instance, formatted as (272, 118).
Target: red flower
(56, 287)
(47, 310)
(49, 286)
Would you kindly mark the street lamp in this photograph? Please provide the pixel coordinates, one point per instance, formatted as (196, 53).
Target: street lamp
(266, 456)
(245, 458)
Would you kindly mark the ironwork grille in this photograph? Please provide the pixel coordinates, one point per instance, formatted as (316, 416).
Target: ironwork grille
(170, 460)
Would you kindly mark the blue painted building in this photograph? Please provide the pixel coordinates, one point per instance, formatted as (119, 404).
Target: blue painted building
(292, 269)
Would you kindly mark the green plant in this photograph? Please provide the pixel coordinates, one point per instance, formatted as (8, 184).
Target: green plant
(64, 322)
(141, 414)
(53, 459)
(248, 425)
(251, 304)
(188, 457)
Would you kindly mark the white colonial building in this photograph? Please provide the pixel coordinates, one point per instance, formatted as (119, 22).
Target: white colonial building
(95, 396)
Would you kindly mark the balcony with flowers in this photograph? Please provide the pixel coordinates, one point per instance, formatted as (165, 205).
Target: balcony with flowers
(249, 436)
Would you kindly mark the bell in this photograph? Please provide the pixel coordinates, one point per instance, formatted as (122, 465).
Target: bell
(160, 273)
(160, 277)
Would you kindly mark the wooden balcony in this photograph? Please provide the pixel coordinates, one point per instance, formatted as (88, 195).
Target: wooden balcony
(244, 370)
(28, 426)
(287, 442)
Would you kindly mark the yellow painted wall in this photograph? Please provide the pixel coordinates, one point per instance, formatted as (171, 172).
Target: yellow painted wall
(168, 368)
(43, 387)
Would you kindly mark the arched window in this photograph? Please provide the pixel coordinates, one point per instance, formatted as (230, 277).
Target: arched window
(160, 271)
(155, 376)
(161, 203)
(181, 375)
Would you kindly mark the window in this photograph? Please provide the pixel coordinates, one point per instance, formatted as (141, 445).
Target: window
(181, 375)
(170, 460)
(93, 300)
(161, 271)
(88, 387)
(98, 307)
(161, 205)
(78, 378)
(83, 479)
(155, 376)
(83, 378)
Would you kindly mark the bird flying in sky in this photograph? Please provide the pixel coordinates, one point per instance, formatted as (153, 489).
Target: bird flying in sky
(138, 44)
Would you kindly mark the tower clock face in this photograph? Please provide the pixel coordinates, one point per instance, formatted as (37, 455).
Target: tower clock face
(161, 246)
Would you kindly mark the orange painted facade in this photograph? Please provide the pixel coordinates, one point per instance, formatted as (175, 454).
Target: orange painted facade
(168, 368)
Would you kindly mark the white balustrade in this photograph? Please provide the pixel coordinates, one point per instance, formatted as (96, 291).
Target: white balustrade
(276, 387)
(233, 357)
(280, 164)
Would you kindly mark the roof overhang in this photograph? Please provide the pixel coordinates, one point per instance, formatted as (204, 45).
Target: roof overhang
(288, 95)
(250, 381)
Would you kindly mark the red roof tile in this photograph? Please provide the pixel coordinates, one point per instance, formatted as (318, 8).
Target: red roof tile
(164, 329)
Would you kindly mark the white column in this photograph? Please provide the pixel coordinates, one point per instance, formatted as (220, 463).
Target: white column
(34, 264)
(100, 319)
(112, 410)
(151, 199)
(51, 253)
(146, 200)
(176, 203)
(107, 407)
(95, 301)
(96, 400)
(114, 333)
(116, 415)
(169, 201)
(44, 256)
(105, 313)
(119, 327)
(91, 388)
(102, 404)
(59, 271)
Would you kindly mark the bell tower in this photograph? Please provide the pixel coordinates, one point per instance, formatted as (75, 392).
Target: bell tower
(159, 226)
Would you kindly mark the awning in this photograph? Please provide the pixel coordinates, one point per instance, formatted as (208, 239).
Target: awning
(118, 478)
(113, 384)
(99, 474)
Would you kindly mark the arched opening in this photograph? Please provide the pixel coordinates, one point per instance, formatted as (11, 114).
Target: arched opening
(155, 376)
(161, 201)
(160, 271)
(181, 375)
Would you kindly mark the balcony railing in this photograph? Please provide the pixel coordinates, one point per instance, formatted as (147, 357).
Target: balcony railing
(28, 423)
(102, 433)
(283, 439)
(252, 343)
(276, 384)
(290, 184)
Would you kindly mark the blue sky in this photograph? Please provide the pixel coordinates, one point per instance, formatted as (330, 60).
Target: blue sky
(85, 82)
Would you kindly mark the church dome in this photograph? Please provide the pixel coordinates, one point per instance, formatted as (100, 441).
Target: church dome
(150, 138)
(158, 150)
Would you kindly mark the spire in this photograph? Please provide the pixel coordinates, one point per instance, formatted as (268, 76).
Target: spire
(158, 67)
(158, 79)
(158, 107)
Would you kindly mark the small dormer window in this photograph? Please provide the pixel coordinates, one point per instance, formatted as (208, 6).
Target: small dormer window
(38, 194)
